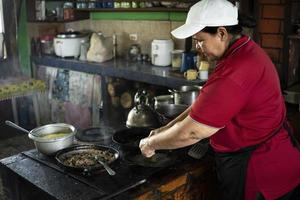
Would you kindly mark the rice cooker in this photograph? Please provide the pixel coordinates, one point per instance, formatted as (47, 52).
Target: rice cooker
(161, 51)
(68, 44)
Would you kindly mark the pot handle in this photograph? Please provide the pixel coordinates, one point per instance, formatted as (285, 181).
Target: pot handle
(171, 91)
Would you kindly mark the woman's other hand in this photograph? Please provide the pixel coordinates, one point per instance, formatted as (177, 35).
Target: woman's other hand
(146, 148)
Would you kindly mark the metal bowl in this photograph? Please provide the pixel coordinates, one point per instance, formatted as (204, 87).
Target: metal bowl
(50, 145)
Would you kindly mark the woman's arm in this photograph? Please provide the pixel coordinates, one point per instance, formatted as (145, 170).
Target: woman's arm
(181, 134)
(179, 118)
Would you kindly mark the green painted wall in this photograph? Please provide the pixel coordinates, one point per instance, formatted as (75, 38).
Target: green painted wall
(22, 40)
(162, 16)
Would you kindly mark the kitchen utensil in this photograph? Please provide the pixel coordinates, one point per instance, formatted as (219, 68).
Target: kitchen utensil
(67, 44)
(170, 110)
(11, 124)
(129, 139)
(50, 138)
(142, 115)
(109, 170)
(161, 52)
(186, 94)
(81, 158)
(198, 150)
(50, 146)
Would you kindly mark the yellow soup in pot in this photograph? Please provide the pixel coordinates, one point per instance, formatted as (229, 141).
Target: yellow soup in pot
(54, 135)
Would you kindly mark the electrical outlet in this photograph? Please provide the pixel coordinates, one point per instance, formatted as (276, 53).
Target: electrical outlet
(133, 37)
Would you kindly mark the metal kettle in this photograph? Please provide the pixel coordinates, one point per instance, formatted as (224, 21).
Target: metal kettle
(142, 115)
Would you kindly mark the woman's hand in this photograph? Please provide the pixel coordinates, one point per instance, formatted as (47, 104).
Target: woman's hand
(146, 148)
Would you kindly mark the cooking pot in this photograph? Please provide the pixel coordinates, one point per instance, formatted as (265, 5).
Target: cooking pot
(47, 138)
(50, 138)
(67, 44)
(186, 94)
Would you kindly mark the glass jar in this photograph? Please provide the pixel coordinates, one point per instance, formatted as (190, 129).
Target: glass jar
(177, 58)
(203, 70)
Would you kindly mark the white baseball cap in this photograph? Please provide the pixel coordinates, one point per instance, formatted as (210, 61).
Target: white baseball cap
(207, 13)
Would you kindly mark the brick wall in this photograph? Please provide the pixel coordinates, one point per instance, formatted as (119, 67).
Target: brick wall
(271, 29)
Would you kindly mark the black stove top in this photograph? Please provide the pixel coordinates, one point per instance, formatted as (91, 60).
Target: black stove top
(128, 174)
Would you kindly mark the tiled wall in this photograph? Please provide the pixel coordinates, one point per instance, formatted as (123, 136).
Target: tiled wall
(146, 31)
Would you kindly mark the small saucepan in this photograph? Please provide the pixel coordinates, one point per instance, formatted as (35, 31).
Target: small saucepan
(186, 94)
(50, 138)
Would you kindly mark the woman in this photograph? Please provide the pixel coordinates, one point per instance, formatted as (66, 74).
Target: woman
(240, 109)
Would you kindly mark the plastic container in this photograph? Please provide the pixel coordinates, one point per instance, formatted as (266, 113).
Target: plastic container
(177, 58)
(161, 52)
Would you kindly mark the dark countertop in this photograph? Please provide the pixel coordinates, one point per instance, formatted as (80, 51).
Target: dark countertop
(121, 68)
(31, 175)
(23, 175)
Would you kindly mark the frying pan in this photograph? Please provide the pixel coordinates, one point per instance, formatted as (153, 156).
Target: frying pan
(161, 158)
(129, 139)
(86, 152)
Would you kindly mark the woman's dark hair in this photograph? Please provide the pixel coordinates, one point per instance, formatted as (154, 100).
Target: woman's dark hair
(244, 21)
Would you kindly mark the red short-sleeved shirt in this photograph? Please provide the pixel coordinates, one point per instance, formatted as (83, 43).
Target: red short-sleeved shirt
(243, 96)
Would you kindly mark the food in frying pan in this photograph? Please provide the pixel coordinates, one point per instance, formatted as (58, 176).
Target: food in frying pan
(86, 159)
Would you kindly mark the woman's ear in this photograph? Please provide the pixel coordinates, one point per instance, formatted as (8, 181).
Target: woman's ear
(222, 33)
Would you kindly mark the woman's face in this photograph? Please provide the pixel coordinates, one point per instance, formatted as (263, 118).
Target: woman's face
(213, 46)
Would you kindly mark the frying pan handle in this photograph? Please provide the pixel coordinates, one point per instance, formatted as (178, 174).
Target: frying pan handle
(86, 172)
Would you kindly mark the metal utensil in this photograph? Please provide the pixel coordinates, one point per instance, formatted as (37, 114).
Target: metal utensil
(11, 124)
(109, 170)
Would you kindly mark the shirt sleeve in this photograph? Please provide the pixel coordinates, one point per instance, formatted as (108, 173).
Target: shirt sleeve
(218, 102)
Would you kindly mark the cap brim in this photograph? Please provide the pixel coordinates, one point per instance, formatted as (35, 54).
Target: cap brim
(186, 30)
